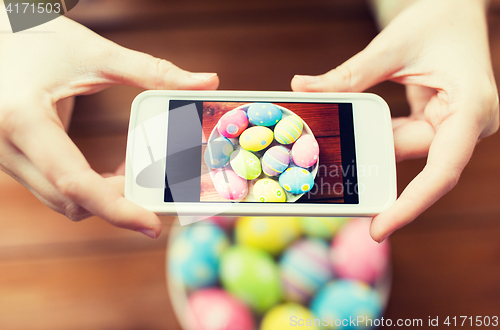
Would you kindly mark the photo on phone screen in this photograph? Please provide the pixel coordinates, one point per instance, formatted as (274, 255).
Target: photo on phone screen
(236, 160)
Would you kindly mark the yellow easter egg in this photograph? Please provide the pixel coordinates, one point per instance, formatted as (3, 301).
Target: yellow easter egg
(289, 316)
(268, 191)
(271, 234)
(256, 138)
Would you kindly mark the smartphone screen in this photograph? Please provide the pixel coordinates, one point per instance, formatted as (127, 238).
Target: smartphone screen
(192, 125)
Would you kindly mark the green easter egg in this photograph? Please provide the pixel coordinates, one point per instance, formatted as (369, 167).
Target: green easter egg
(245, 164)
(252, 276)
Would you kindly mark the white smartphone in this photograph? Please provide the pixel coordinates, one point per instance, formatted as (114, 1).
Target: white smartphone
(203, 153)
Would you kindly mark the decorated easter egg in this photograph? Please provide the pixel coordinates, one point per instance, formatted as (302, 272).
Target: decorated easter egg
(355, 255)
(264, 114)
(305, 151)
(275, 160)
(305, 267)
(271, 234)
(289, 316)
(347, 300)
(229, 185)
(215, 309)
(296, 180)
(232, 123)
(269, 191)
(256, 138)
(218, 152)
(322, 227)
(288, 130)
(245, 164)
(252, 276)
(195, 254)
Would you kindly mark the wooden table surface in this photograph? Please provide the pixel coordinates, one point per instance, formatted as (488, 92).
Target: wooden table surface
(56, 274)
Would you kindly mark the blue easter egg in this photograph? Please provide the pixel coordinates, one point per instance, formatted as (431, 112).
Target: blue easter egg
(195, 253)
(218, 152)
(296, 180)
(346, 300)
(264, 114)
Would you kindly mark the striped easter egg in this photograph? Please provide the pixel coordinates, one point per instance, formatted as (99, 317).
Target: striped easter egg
(305, 267)
(288, 130)
(275, 160)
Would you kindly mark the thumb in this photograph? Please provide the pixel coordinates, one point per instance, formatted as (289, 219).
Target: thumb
(138, 69)
(364, 70)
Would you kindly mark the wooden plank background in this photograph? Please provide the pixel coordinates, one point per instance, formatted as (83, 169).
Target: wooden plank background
(56, 274)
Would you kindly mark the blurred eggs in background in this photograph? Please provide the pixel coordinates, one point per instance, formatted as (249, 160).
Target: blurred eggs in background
(355, 255)
(270, 234)
(195, 255)
(252, 276)
(305, 267)
(286, 317)
(278, 273)
(215, 309)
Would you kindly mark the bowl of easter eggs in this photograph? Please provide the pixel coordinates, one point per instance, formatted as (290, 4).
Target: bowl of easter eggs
(249, 273)
(262, 152)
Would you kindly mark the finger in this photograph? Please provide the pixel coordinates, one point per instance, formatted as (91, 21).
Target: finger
(449, 153)
(412, 138)
(418, 97)
(47, 146)
(65, 110)
(367, 68)
(134, 68)
(22, 170)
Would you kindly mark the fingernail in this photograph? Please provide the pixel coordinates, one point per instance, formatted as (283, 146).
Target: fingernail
(309, 79)
(148, 232)
(202, 75)
(384, 238)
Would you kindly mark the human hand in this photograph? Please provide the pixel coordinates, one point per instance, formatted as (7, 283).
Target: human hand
(40, 72)
(439, 50)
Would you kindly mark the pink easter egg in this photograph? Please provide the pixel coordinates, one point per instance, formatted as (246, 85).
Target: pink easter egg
(355, 255)
(229, 185)
(305, 151)
(215, 309)
(226, 223)
(232, 123)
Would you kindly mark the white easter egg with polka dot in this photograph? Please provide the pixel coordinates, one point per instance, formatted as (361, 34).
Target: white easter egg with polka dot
(229, 185)
(305, 151)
